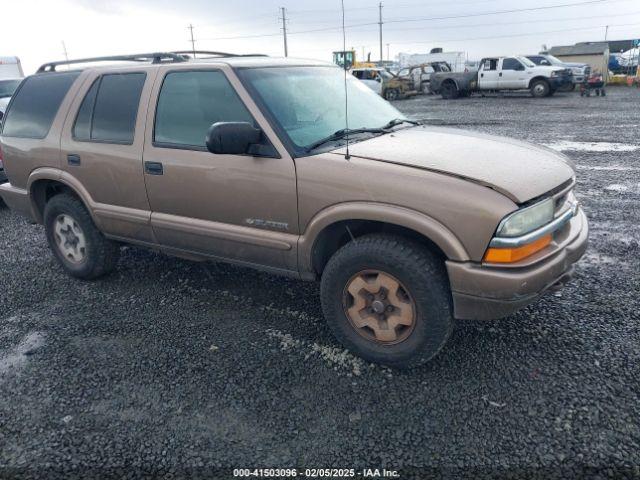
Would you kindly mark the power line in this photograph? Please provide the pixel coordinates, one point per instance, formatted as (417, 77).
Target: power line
(423, 19)
(593, 27)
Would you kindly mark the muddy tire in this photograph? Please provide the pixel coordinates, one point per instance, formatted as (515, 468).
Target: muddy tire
(80, 248)
(387, 299)
(449, 90)
(391, 94)
(540, 89)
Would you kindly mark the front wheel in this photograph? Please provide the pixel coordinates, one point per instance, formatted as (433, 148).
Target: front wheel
(387, 299)
(540, 88)
(75, 241)
(391, 94)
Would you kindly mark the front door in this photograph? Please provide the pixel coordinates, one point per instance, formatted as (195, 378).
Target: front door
(235, 207)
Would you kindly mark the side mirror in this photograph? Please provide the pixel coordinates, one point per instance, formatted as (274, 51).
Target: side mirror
(378, 79)
(232, 138)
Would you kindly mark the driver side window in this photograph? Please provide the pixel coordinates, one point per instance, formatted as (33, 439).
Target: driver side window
(190, 102)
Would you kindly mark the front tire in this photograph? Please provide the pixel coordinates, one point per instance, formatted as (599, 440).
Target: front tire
(391, 94)
(80, 248)
(540, 89)
(387, 299)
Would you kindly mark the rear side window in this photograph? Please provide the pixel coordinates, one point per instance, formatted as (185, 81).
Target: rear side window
(109, 109)
(35, 104)
(511, 64)
(190, 102)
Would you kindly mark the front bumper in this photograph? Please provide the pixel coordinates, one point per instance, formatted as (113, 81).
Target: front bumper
(483, 292)
(558, 82)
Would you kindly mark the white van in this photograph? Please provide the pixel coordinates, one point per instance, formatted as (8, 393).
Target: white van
(10, 67)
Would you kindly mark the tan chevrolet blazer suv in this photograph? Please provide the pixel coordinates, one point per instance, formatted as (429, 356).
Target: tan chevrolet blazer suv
(253, 160)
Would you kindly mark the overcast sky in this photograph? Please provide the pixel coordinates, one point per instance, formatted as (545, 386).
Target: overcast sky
(35, 30)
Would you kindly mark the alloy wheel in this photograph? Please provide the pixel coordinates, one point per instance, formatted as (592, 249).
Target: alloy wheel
(379, 307)
(70, 239)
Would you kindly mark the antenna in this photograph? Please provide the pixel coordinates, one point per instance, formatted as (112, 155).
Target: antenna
(346, 95)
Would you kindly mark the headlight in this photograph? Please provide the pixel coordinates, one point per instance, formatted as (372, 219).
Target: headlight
(527, 219)
(554, 73)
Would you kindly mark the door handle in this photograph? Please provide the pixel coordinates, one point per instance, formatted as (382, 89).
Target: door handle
(500, 74)
(482, 75)
(73, 159)
(153, 168)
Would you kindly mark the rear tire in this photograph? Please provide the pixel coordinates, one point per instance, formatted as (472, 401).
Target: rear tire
(377, 274)
(449, 91)
(80, 248)
(540, 89)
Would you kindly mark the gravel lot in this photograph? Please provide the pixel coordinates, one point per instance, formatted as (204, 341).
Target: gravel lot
(168, 368)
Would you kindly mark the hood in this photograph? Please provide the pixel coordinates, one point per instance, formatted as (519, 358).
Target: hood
(549, 68)
(519, 170)
(575, 65)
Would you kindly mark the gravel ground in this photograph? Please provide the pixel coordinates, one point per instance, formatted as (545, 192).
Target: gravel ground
(169, 368)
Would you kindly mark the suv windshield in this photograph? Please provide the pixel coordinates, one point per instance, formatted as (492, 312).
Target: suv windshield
(8, 87)
(308, 102)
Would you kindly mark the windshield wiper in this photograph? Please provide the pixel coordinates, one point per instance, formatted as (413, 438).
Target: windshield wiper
(398, 121)
(340, 134)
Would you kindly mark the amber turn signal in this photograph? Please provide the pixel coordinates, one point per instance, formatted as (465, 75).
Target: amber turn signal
(511, 255)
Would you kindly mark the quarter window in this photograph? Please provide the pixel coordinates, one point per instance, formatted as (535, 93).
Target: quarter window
(109, 109)
(190, 102)
(36, 103)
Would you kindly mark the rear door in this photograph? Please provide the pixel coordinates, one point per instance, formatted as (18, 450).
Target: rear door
(512, 74)
(101, 145)
(488, 74)
(235, 207)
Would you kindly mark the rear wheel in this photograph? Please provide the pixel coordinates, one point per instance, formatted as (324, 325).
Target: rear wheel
(78, 245)
(540, 88)
(449, 90)
(388, 300)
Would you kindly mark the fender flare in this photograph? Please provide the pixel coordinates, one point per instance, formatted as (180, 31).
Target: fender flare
(57, 175)
(423, 224)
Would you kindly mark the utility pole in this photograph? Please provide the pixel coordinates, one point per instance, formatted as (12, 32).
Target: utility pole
(388, 51)
(380, 25)
(193, 42)
(284, 30)
(64, 49)
(606, 33)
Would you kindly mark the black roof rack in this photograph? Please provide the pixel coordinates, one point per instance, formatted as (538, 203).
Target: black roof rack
(218, 54)
(157, 57)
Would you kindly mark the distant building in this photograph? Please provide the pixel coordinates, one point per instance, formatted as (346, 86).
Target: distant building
(595, 54)
(620, 46)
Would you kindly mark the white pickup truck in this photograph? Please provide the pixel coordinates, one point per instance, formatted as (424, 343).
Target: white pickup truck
(502, 73)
